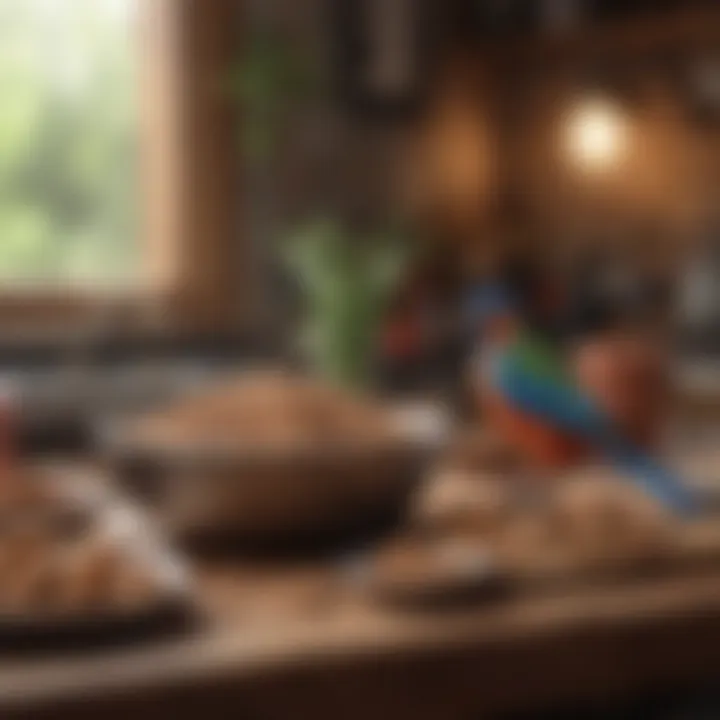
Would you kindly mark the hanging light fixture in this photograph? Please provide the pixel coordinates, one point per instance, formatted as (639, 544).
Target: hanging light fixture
(595, 133)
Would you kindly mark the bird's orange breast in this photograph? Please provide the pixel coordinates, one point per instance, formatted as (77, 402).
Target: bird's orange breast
(540, 443)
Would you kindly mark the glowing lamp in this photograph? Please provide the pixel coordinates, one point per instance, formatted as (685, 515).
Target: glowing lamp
(596, 134)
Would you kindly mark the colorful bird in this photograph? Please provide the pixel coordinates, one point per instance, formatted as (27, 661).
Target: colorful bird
(534, 399)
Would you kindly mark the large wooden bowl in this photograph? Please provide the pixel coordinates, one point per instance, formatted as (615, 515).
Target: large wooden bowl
(272, 495)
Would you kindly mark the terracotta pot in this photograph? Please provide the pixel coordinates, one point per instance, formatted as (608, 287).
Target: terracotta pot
(628, 375)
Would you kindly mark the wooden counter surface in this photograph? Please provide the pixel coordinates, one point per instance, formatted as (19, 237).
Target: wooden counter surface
(296, 644)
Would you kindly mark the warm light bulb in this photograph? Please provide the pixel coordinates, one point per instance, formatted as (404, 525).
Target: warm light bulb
(595, 134)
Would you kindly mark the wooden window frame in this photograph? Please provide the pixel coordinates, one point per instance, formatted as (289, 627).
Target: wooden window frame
(189, 186)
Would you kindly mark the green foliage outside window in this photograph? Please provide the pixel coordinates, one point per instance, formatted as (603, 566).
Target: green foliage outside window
(68, 142)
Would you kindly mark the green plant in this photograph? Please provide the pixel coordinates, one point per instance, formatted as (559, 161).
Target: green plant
(346, 281)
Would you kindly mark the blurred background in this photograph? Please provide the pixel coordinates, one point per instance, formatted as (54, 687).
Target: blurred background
(193, 188)
(158, 162)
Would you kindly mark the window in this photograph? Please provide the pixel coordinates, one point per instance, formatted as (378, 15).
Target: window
(68, 143)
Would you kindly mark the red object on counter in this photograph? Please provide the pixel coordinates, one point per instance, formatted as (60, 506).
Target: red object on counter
(402, 338)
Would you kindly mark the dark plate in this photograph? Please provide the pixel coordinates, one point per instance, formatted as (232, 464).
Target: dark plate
(54, 633)
(443, 583)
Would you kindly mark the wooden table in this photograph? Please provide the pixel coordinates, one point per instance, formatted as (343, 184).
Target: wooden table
(294, 643)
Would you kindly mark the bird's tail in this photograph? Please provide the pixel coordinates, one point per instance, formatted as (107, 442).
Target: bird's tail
(654, 478)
